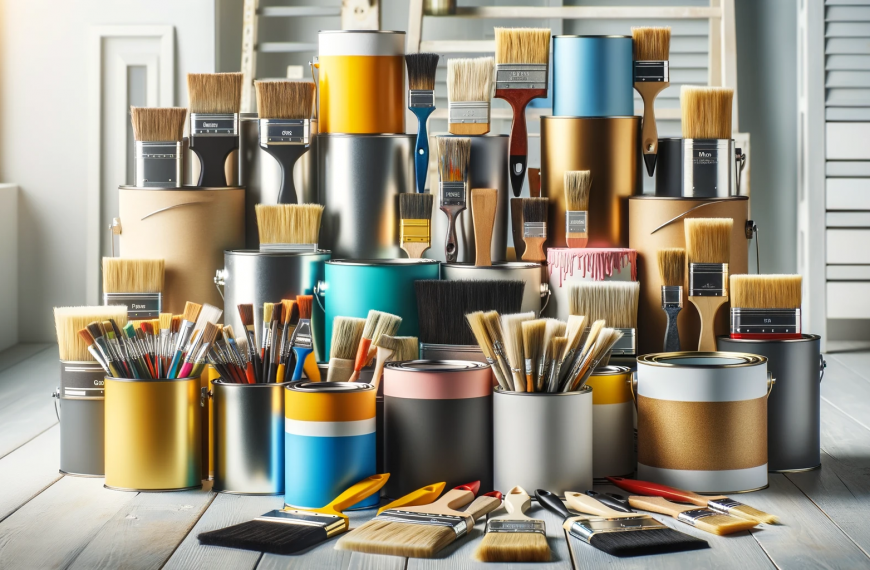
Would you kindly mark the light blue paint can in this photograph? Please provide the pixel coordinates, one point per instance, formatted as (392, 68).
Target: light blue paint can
(593, 76)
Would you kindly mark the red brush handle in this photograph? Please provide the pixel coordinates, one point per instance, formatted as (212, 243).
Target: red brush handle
(518, 99)
(656, 490)
(496, 494)
(474, 487)
(249, 374)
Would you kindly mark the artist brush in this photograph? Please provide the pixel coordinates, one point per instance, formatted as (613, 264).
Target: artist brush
(185, 331)
(454, 154)
(415, 217)
(514, 537)
(535, 228)
(574, 330)
(598, 355)
(492, 321)
(268, 309)
(193, 367)
(672, 273)
(221, 353)
(484, 202)
(289, 320)
(215, 101)
(135, 283)
(143, 335)
(766, 307)
(583, 356)
(512, 327)
(94, 350)
(708, 251)
(115, 367)
(469, 89)
(246, 314)
(651, 77)
(706, 112)
(116, 343)
(302, 341)
(554, 355)
(272, 343)
(421, 102)
(578, 184)
(237, 353)
(372, 322)
(346, 334)
(552, 328)
(68, 321)
(209, 314)
(289, 227)
(533, 347)
(157, 153)
(137, 351)
(477, 323)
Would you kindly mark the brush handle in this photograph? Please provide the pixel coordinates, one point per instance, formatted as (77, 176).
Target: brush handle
(535, 249)
(451, 244)
(422, 496)
(301, 354)
(611, 501)
(312, 371)
(587, 505)
(672, 334)
(552, 503)
(415, 250)
(250, 376)
(362, 356)
(516, 503)
(517, 227)
(518, 99)
(649, 90)
(212, 153)
(707, 309)
(356, 493)
(483, 206)
(535, 182)
(186, 369)
(286, 155)
(483, 505)
(340, 370)
(173, 366)
(383, 355)
(453, 499)
(654, 489)
(421, 149)
(659, 505)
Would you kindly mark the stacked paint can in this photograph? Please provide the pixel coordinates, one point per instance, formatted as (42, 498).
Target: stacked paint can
(81, 413)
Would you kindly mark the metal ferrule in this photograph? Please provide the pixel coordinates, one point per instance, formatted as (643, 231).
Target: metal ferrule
(302, 335)
(184, 335)
(452, 193)
(284, 131)
(692, 517)
(575, 221)
(458, 524)
(535, 229)
(627, 345)
(708, 279)
(415, 231)
(330, 523)
(512, 526)
(723, 506)
(139, 305)
(158, 164)
(672, 296)
(586, 528)
(645, 71)
(529, 366)
(468, 112)
(765, 321)
(521, 76)
(288, 247)
(421, 98)
(214, 124)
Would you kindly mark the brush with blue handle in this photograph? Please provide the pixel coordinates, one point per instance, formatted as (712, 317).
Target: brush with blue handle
(421, 102)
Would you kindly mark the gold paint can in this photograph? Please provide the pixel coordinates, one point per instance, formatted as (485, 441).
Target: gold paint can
(612, 422)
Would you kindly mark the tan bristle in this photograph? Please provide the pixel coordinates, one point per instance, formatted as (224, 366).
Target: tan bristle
(708, 240)
(477, 323)
(165, 321)
(122, 275)
(346, 334)
(672, 266)
(407, 349)
(305, 304)
(284, 99)
(578, 183)
(397, 539)
(533, 342)
(388, 342)
(68, 321)
(191, 311)
(706, 112)
(522, 45)
(209, 333)
(765, 291)
(387, 325)
(371, 323)
(158, 124)
(615, 302)
(512, 328)
(556, 348)
(651, 44)
(513, 547)
(289, 223)
(214, 92)
(724, 524)
(574, 332)
(469, 79)
(552, 328)
(453, 156)
(268, 309)
(748, 513)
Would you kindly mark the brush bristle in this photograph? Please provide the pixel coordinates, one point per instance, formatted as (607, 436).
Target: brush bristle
(765, 291)
(121, 275)
(371, 323)
(214, 92)
(176, 323)
(453, 156)
(651, 44)
(346, 334)
(513, 547)
(578, 183)
(747, 512)
(535, 209)
(165, 321)
(533, 343)
(284, 99)
(522, 45)
(288, 311)
(512, 327)
(641, 542)
(672, 266)
(706, 112)
(68, 321)
(305, 304)
(421, 70)
(408, 348)
(246, 314)
(615, 302)
(191, 311)
(469, 79)
(387, 325)
(289, 223)
(158, 124)
(415, 206)
(397, 539)
(278, 537)
(210, 332)
(268, 309)
(724, 524)
(708, 240)
(208, 314)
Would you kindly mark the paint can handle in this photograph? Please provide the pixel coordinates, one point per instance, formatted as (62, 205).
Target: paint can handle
(632, 385)
(220, 277)
(56, 397)
(545, 294)
(320, 293)
(822, 366)
(770, 382)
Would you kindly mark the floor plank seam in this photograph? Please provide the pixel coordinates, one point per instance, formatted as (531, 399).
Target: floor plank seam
(842, 411)
(189, 530)
(36, 494)
(29, 440)
(764, 550)
(97, 533)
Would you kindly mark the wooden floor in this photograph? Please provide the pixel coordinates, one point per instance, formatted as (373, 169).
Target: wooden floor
(50, 521)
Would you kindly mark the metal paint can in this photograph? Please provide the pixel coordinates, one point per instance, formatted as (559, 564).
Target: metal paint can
(81, 413)
(612, 422)
(359, 181)
(535, 295)
(437, 424)
(153, 434)
(593, 76)
(353, 288)
(471, 352)
(542, 440)
(702, 420)
(567, 266)
(793, 415)
(329, 441)
(698, 168)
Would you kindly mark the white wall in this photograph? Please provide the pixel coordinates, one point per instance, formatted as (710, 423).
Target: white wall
(8, 265)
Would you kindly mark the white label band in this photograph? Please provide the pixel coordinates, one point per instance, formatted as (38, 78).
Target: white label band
(329, 429)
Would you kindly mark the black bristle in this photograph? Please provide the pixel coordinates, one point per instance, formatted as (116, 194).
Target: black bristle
(421, 70)
(442, 306)
(642, 542)
(262, 536)
(414, 206)
(535, 209)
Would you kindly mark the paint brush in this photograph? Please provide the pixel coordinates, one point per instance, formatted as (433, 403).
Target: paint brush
(469, 90)
(94, 350)
(137, 352)
(115, 342)
(706, 112)
(672, 272)
(163, 343)
(533, 349)
(185, 331)
(651, 77)
(68, 321)
(535, 228)
(194, 364)
(377, 323)
(289, 322)
(386, 346)
(253, 366)
(422, 496)
(514, 537)
(406, 348)
(215, 103)
(578, 183)
(574, 330)
(415, 213)
(421, 102)
(157, 150)
(512, 326)
(484, 202)
(615, 302)
(272, 343)
(554, 353)
(302, 341)
(346, 334)
(135, 283)
(477, 323)
(453, 156)
(766, 307)
(707, 520)
(708, 250)
(268, 308)
(517, 227)
(289, 227)
(116, 367)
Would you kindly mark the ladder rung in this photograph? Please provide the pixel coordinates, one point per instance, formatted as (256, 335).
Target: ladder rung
(458, 46)
(537, 112)
(298, 11)
(589, 12)
(285, 47)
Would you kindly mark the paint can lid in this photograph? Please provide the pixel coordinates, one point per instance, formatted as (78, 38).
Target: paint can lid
(436, 366)
(329, 387)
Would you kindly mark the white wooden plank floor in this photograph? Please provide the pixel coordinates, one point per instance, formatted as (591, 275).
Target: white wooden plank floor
(50, 521)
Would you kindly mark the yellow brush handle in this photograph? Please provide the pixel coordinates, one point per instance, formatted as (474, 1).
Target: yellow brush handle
(422, 496)
(279, 375)
(586, 504)
(310, 368)
(358, 492)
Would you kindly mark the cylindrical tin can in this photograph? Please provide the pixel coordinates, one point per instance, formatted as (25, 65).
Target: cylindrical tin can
(612, 422)
(542, 440)
(657, 223)
(567, 266)
(702, 420)
(609, 147)
(353, 288)
(593, 76)
(329, 441)
(361, 83)
(699, 168)
(438, 424)
(153, 434)
(81, 401)
(471, 352)
(359, 182)
(487, 168)
(535, 294)
(249, 438)
(189, 229)
(252, 276)
(793, 417)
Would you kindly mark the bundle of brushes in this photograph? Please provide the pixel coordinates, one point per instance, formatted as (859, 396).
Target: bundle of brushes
(469, 90)
(652, 48)
(453, 157)
(766, 307)
(215, 103)
(378, 324)
(421, 102)
(134, 283)
(614, 302)
(289, 227)
(158, 134)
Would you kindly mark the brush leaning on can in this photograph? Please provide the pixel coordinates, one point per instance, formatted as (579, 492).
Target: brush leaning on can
(708, 251)
(672, 272)
(346, 335)
(215, 104)
(766, 307)
(578, 183)
(453, 157)
(469, 89)
(158, 135)
(421, 102)
(378, 323)
(651, 77)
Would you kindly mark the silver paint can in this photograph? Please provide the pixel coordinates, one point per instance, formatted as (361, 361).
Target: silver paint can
(536, 294)
(82, 404)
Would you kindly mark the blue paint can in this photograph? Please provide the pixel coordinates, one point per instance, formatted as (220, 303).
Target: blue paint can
(593, 76)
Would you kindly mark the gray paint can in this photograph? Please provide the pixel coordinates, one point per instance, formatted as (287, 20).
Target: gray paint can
(536, 294)
(81, 400)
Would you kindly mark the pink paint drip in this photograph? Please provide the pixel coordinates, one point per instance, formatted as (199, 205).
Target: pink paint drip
(598, 262)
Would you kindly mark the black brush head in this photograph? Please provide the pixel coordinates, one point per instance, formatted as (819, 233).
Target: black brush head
(643, 542)
(262, 536)
(535, 209)
(421, 70)
(414, 206)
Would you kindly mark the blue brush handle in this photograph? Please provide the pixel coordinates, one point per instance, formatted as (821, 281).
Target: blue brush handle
(301, 355)
(421, 149)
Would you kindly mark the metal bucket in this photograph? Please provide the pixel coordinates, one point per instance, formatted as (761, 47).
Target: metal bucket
(81, 413)
(567, 266)
(535, 295)
(612, 422)
(593, 76)
(698, 168)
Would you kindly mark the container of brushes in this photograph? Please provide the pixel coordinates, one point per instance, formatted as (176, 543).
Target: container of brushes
(359, 180)
(437, 424)
(593, 76)
(154, 434)
(329, 441)
(543, 440)
(698, 168)
(610, 148)
(81, 413)
(612, 422)
(361, 81)
(535, 295)
(353, 288)
(657, 223)
(487, 168)
(248, 424)
(702, 420)
(252, 276)
(566, 266)
(793, 415)
(189, 229)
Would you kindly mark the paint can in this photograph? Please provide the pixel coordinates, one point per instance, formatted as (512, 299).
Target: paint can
(353, 288)
(80, 409)
(329, 441)
(535, 295)
(437, 424)
(154, 434)
(612, 422)
(793, 408)
(567, 266)
(702, 420)
(469, 352)
(359, 181)
(698, 168)
(542, 440)
(593, 76)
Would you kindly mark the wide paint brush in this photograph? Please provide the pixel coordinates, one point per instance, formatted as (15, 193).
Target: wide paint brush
(469, 90)
(578, 183)
(415, 213)
(346, 335)
(289, 227)
(708, 251)
(157, 153)
(514, 537)
(134, 283)
(421, 102)
(766, 307)
(651, 77)
(215, 102)
(453, 156)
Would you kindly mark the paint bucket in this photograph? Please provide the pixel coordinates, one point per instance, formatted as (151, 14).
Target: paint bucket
(438, 424)
(252, 276)
(567, 266)
(793, 416)
(80, 409)
(612, 422)
(359, 181)
(609, 147)
(698, 168)
(329, 441)
(535, 295)
(361, 81)
(593, 76)
(702, 420)
(487, 168)
(353, 288)
(542, 440)
(153, 434)
(187, 227)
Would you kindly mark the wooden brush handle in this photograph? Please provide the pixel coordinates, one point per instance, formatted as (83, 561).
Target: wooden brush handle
(422, 496)
(483, 505)
(672, 334)
(535, 249)
(483, 206)
(707, 309)
(383, 355)
(516, 503)
(517, 227)
(356, 493)
(656, 490)
(658, 505)
(415, 249)
(585, 504)
(649, 133)
(453, 499)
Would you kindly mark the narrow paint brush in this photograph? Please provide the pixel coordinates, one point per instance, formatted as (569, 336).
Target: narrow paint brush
(289, 320)
(415, 213)
(377, 323)
(453, 158)
(672, 272)
(651, 77)
(707, 520)
(188, 321)
(533, 346)
(469, 90)
(94, 350)
(157, 151)
(512, 326)
(269, 365)
(302, 341)
(766, 307)
(514, 537)
(578, 183)
(215, 103)
(484, 202)
(346, 334)
(477, 323)
(535, 228)
(708, 251)
(421, 102)
(253, 366)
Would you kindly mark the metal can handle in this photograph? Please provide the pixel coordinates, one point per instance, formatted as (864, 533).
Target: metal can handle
(203, 396)
(822, 366)
(632, 386)
(320, 293)
(740, 159)
(220, 277)
(770, 382)
(56, 397)
(546, 293)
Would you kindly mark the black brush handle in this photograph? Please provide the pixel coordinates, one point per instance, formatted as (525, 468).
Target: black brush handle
(552, 503)
(610, 501)
(672, 335)
(286, 155)
(212, 153)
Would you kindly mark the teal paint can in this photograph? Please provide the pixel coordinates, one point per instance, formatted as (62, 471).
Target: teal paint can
(593, 76)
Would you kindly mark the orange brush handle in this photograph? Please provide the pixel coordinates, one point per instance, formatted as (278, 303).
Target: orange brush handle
(362, 354)
(656, 490)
